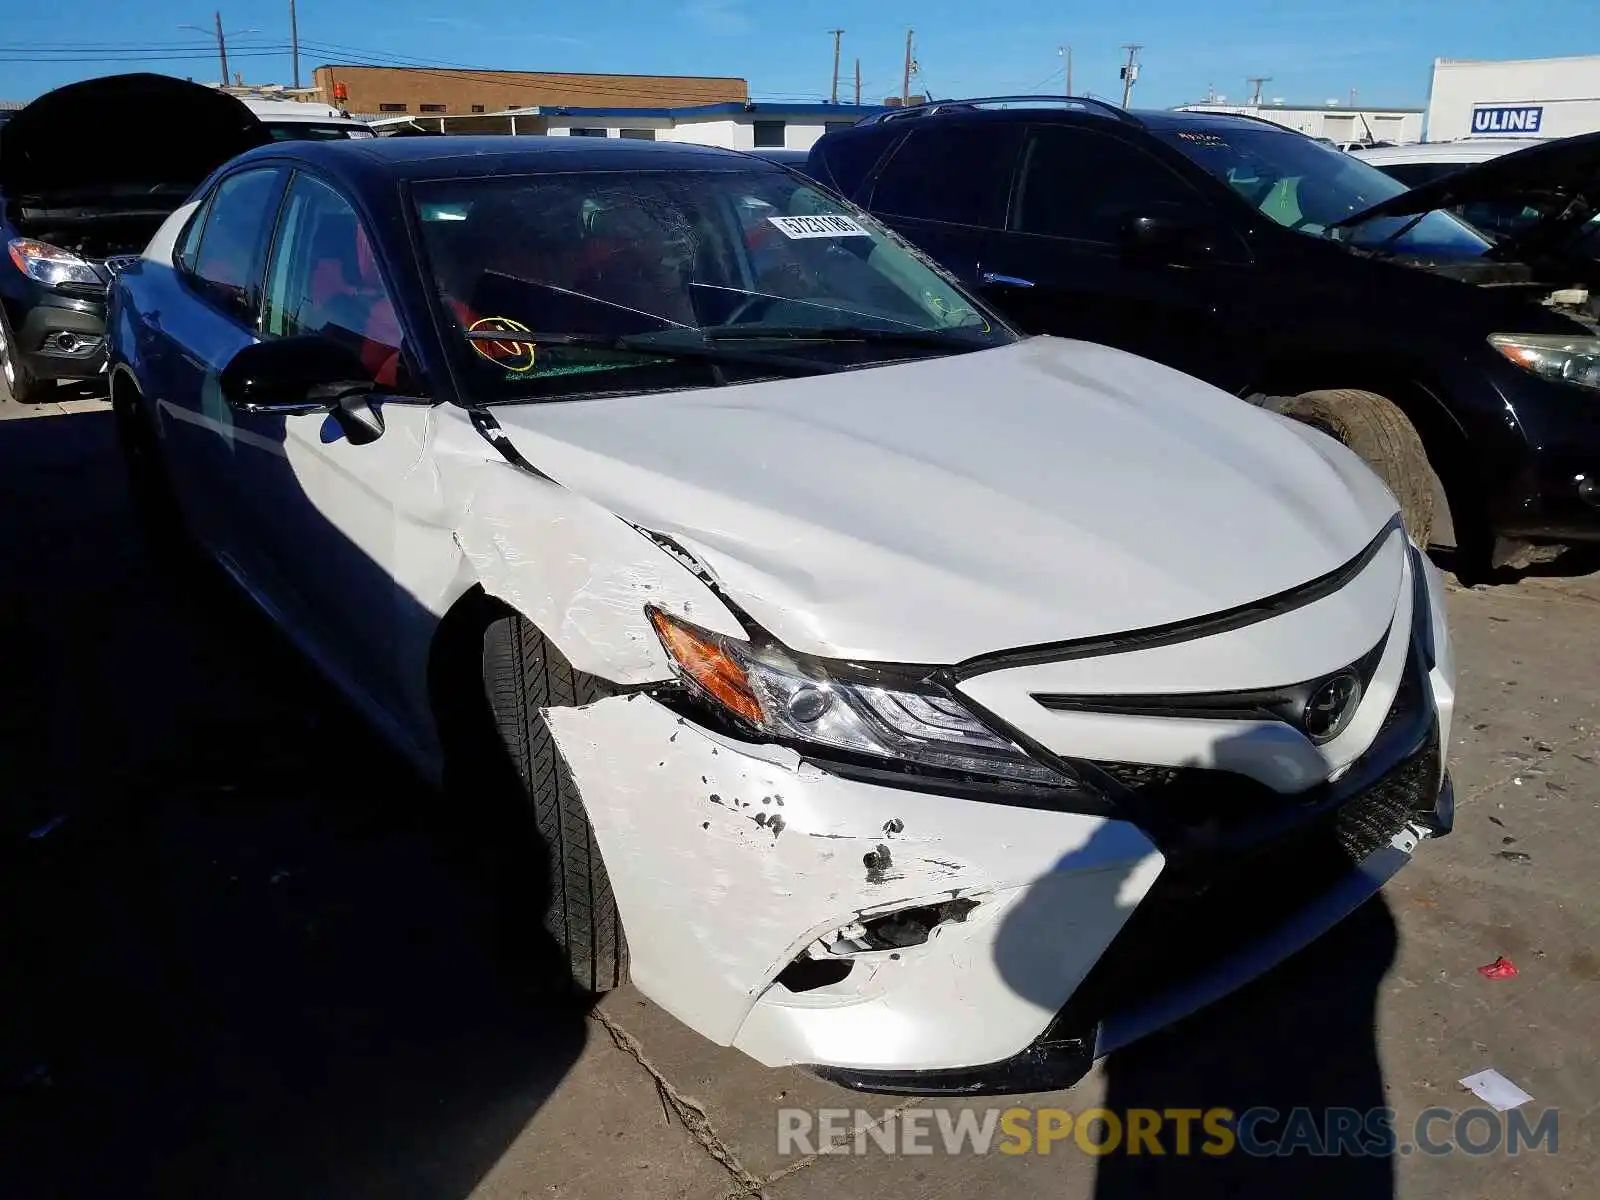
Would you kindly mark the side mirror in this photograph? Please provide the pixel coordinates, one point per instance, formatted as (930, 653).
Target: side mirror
(1173, 233)
(299, 375)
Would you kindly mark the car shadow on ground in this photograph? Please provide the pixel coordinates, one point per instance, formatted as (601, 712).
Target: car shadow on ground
(246, 952)
(1301, 1042)
(1287, 1064)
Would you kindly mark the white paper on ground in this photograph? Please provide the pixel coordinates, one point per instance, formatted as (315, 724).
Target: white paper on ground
(1495, 1090)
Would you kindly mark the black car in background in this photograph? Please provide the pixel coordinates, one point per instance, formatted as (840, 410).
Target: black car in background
(88, 172)
(1284, 271)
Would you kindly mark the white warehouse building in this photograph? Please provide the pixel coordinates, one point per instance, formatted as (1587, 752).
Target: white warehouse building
(1534, 97)
(734, 125)
(1334, 121)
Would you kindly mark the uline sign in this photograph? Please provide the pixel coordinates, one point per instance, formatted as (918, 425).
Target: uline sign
(1507, 118)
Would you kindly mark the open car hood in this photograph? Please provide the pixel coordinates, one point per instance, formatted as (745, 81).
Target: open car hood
(124, 129)
(1560, 178)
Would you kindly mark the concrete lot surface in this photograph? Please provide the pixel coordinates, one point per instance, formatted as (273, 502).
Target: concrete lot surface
(244, 954)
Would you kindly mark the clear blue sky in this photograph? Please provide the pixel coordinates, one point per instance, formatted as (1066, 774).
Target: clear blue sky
(1313, 53)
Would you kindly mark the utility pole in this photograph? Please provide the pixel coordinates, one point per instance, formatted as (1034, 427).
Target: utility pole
(222, 44)
(222, 48)
(1256, 81)
(837, 34)
(905, 77)
(858, 81)
(1130, 72)
(294, 42)
(1066, 53)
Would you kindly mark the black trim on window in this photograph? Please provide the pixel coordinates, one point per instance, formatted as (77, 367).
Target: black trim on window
(198, 285)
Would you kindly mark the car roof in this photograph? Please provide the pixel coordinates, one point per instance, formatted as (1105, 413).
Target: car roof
(374, 161)
(1073, 109)
(1468, 150)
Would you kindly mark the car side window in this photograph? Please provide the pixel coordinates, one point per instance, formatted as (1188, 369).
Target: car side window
(227, 263)
(1081, 184)
(957, 174)
(325, 281)
(189, 244)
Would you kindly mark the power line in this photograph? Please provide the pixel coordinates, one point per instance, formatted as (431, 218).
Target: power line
(154, 58)
(1050, 78)
(344, 54)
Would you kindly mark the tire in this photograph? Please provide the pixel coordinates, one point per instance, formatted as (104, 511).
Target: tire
(16, 378)
(1383, 438)
(522, 674)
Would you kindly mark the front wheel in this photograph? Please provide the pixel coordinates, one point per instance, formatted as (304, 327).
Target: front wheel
(523, 674)
(1382, 437)
(19, 381)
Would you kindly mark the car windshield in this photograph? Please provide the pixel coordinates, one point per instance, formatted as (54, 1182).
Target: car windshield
(630, 281)
(1310, 188)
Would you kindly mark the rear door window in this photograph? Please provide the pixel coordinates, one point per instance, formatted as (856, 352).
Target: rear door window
(227, 265)
(1081, 184)
(955, 174)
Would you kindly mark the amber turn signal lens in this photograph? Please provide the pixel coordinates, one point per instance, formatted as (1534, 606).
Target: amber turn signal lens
(703, 660)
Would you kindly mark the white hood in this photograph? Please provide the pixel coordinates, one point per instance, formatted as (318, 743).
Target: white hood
(935, 510)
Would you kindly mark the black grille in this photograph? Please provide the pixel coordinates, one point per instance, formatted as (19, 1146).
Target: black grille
(1209, 903)
(1374, 816)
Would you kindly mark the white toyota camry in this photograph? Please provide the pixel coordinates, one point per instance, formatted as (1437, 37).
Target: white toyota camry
(896, 697)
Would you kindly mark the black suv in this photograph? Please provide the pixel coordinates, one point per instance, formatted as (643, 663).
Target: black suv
(81, 189)
(1285, 272)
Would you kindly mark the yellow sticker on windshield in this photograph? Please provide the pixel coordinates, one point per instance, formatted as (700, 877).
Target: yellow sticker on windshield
(509, 355)
(951, 314)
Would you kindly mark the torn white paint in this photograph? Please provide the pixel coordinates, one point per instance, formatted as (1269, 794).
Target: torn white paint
(727, 864)
(582, 575)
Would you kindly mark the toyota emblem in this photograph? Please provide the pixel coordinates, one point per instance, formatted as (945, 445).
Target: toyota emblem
(1330, 706)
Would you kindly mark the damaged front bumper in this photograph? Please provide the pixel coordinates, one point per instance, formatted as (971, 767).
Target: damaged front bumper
(897, 937)
(906, 941)
(1188, 947)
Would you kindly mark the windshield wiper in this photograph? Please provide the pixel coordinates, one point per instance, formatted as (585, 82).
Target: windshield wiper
(940, 339)
(666, 343)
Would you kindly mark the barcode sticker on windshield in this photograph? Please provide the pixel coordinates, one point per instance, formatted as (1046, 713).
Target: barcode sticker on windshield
(818, 227)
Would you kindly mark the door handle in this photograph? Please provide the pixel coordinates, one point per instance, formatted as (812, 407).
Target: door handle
(990, 277)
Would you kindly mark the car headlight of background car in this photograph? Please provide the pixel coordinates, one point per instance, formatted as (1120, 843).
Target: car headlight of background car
(1553, 355)
(914, 724)
(51, 265)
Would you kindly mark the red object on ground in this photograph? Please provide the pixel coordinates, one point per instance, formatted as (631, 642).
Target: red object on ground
(1500, 968)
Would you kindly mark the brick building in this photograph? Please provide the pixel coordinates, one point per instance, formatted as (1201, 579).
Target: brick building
(384, 91)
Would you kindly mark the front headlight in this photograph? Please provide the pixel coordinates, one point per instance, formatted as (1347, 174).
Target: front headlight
(831, 706)
(1553, 355)
(51, 265)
